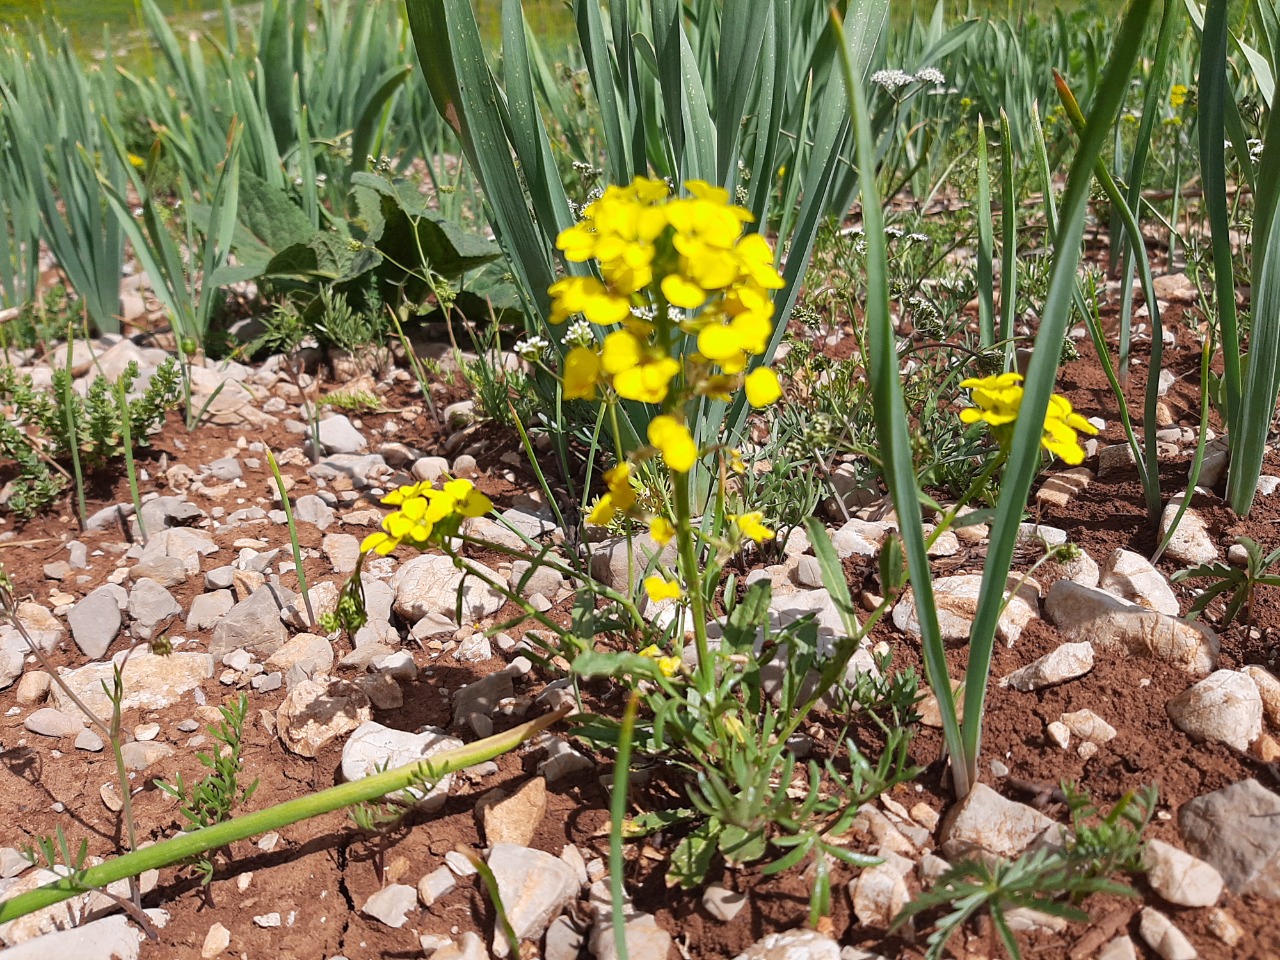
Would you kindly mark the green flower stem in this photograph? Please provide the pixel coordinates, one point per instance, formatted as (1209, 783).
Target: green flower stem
(126, 432)
(293, 537)
(345, 795)
(693, 581)
(617, 818)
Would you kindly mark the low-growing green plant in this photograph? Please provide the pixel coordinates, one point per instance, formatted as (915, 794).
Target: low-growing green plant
(1238, 584)
(88, 430)
(216, 797)
(1052, 877)
(293, 537)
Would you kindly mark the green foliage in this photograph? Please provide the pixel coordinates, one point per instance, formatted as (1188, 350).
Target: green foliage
(393, 249)
(1238, 584)
(42, 431)
(1051, 878)
(216, 797)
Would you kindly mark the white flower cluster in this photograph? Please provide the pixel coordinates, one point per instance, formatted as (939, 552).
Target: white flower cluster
(579, 334)
(532, 349)
(891, 79)
(894, 79)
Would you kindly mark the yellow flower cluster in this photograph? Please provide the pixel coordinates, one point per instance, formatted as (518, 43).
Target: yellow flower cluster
(670, 268)
(669, 666)
(426, 515)
(1177, 95)
(997, 402)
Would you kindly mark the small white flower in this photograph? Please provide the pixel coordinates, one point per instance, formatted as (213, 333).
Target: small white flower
(579, 334)
(894, 232)
(891, 79)
(532, 349)
(931, 75)
(918, 237)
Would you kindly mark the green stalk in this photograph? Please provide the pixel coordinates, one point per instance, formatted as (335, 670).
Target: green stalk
(986, 245)
(73, 436)
(187, 845)
(293, 537)
(126, 434)
(881, 358)
(1151, 475)
(692, 580)
(617, 817)
(1008, 244)
(1211, 105)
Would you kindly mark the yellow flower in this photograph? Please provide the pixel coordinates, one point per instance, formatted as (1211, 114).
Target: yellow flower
(669, 666)
(751, 526)
(674, 442)
(997, 399)
(618, 480)
(639, 371)
(659, 589)
(380, 543)
(1177, 95)
(1061, 425)
(603, 512)
(467, 500)
(762, 387)
(581, 373)
(733, 726)
(662, 531)
(589, 297)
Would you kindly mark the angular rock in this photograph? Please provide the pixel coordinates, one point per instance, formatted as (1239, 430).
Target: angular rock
(879, 894)
(792, 945)
(1180, 878)
(302, 657)
(111, 938)
(986, 824)
(722, 903)
(311, 509)
(391, 904)
(1163, 937)
(339, 435)
(140, 755)
(342, 549)
(436, 884)
(1060, 488)
(429, 584)
(50, 722)
(151, 606)
(150, 682)
(1087, 725)
(861, 538)
(645, 939)
(166, 571)
(1191, 543)
(1121, 948)
(317, 712)
(1131, 577)
(1237, 831)
(95, 622)
(252, 624)
(1268, 690)
(209, 608)
(1224, 707)
(957, 602)
(609, 561)
(534, 887)
(373, 747)
(1067, 662)
(515, 818)
(1117, 627)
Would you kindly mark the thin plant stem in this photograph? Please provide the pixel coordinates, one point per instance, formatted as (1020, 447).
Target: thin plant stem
(185, 845)
(293, 537)
(126, 434)
(693, 580)
(73, 436)
(617, 818)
